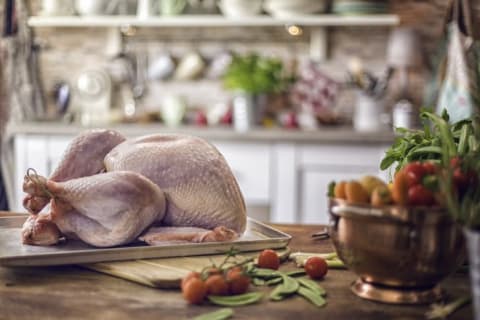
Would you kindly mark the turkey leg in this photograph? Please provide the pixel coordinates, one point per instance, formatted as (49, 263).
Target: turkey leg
(83, 157)
(104, 210)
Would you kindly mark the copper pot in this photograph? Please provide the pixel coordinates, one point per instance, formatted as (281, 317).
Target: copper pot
(399, 253)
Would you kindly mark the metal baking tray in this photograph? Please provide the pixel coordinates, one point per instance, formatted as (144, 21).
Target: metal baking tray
(257, 236)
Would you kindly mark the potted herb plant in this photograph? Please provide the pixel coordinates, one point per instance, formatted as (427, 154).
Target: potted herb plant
(249, 77)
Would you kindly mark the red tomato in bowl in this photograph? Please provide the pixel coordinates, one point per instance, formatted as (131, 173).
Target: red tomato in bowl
(414, 172)
(429, 167)
(418, 195)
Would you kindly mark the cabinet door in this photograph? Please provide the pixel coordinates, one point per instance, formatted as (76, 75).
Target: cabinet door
(250, 163)
(314, 188)
(56, 148)
(30, 152)
(319, 165)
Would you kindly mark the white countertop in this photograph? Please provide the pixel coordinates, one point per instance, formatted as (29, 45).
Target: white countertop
(322, 135)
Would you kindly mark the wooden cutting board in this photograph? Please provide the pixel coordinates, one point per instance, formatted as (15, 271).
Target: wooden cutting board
(166, 272)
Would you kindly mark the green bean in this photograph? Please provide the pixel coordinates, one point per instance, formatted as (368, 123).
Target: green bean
(237, 300)
(472, 143)
(317, 300)
(249, 267)
(288, 287)
(312, 286)
(335, 264)
(425, 149)
(221, 314)
(274, 281)
(259, 281)
(264, 273)
(296, 273)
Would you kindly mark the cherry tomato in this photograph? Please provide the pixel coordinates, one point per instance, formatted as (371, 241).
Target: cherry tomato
(239, 282)
(461, 180)
(212, 271)
(194, 290)
(316, 267)
(268, 259)
(414, 172)
(455, 162)
(217, 285)
(420, 196)
(429, 167)
(189, 276)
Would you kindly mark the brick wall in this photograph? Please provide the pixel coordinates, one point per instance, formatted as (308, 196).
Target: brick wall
(69, 51)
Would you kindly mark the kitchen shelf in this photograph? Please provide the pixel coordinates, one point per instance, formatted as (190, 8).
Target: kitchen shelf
(318, 24)
(321, 20)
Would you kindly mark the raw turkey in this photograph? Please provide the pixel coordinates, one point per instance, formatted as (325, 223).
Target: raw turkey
(109, 191)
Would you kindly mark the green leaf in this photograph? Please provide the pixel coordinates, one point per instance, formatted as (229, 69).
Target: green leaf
(387, 162)
(331, 189)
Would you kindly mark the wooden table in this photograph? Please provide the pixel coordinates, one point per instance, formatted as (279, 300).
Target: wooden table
(72, 292)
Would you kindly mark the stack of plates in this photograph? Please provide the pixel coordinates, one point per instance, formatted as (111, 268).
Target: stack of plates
(290, 8)
(360, 6)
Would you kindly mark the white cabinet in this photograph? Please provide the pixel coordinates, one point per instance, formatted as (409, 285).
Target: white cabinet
(303, 173)
(287, 180)
(250, 163)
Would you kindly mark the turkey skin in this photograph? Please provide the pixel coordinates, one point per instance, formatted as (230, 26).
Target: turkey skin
(109, 191)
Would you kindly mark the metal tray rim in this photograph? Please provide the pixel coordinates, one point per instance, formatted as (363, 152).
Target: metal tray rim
(281, 239)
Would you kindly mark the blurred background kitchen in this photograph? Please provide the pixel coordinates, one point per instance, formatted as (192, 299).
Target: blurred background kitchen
(294, 93)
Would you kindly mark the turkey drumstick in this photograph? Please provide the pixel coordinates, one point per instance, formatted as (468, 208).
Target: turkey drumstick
(83, 157)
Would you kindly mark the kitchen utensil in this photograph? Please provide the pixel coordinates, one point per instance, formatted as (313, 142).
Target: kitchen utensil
(201, 7)
(240, 8)
(243, 111)
(321, 235)
(219, 65)
(171, 7)
(399, 253)
(8, 18)
(190, 66)
(161, 66)
(121, 7)
(173, 109)
(257, 236)
(89, 7)
(57, 8)
(404, 115)
(354, 7)
(289, 8)
(146, 8)
(368, 113)
(62, 95)
(93, 88)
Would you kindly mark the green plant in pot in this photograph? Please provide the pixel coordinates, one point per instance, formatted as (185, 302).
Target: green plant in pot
(251, 77)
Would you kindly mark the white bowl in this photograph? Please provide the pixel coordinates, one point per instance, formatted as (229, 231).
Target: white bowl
(288, 8)
(240, 8)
